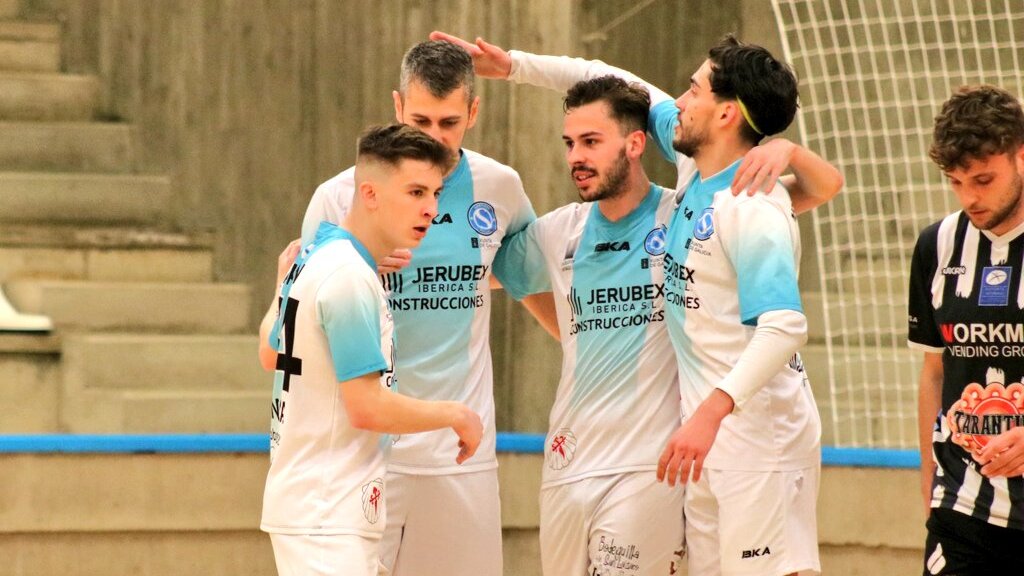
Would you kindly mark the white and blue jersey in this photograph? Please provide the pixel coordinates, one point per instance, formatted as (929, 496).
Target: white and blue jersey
(327, 477)
(442, 301)
(729, 260)
(617, 399)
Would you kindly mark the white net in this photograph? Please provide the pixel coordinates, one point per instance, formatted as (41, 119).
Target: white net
(873, 74)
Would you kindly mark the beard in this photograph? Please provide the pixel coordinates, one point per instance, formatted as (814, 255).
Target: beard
(1001, 214)
(614, 184)
(689, 142)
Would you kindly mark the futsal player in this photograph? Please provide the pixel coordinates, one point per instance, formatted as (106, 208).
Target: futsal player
(728, 534)
(324, 501)
(967, 316)
(444, 519)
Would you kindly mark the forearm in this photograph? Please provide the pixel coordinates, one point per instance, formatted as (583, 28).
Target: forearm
(813, 181)
(267, 355)
(929, 403)
(778, 336)
(542, 308)
(561, 72)
(371, 407)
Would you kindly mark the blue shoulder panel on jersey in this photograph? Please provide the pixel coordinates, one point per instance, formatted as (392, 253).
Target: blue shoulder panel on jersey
(661, 124)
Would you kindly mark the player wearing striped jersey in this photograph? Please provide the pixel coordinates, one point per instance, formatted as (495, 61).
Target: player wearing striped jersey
(447, 284)
(729, 533)
(324, 501)
(601, 509)
(967, 315)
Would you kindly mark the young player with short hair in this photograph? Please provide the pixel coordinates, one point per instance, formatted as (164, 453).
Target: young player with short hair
(967, 316)
(324, 502)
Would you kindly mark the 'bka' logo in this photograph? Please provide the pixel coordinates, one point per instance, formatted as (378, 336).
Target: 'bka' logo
(655, 242)
(756, 553)
(611, 246)
(705, 225)
(482, 218)
(445, 218)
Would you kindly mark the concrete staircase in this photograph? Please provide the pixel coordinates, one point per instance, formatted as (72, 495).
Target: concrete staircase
(146, 340)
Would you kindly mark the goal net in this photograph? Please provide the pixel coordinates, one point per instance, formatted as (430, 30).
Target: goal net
(873, 75)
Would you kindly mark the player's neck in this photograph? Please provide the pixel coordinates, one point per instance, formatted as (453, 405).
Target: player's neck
(717, 155)
(368, 234)
(636, 187)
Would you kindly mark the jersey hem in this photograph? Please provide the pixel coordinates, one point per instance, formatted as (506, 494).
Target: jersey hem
(747, 466)
(925, 347)
(970, 513)
(442, 470)
(295, 531)
(361, 371)
(596, 473)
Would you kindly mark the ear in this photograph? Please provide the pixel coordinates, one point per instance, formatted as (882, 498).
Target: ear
(636, 143)
(729, 113)
(1019, 159)
(474, 108)
(368, 194)
(398, 106)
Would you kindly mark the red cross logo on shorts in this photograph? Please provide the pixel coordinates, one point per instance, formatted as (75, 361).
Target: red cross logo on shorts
(557, 445)
(374, 497)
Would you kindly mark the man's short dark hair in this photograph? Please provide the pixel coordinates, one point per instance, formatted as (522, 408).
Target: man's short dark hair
(629, 102)
(766, 86)
(976, 122)
(440, 67)
(396, 142)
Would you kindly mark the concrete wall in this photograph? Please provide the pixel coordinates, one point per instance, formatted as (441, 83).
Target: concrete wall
(157, 515)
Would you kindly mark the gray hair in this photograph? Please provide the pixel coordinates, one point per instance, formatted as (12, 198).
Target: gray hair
(441, 67)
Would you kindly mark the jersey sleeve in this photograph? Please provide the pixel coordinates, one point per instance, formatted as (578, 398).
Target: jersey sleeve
(522, 212)
(922, 332)
(519, 263)
(348, 310)
(759, 241)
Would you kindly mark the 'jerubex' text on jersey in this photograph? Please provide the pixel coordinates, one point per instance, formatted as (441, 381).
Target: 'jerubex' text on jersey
(967, 303)
(327, 477)
(729, 260)
(617, 401)
(442, 301)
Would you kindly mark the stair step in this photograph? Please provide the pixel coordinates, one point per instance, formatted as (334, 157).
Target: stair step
(174, 364)
(65, 146)
(101, 237)
(30, 380)
(82, 198)
(166, 412)
(136, 306)
(105, 264)
(28, 31)
(38, 96)
(29, 56)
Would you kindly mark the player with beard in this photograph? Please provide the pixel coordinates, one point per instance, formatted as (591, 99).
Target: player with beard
(967, 316)
(732, 306)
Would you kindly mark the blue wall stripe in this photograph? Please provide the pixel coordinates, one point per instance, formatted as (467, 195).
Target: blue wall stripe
(254, 443)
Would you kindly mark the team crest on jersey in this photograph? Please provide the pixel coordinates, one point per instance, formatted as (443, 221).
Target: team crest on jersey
(983, 413)
(561, 449)
(705, 225)
(482, 218)
(655, 242)
(373, 499)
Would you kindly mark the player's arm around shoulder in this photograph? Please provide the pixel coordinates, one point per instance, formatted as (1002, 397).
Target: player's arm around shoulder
(267, 354)
(813, 180)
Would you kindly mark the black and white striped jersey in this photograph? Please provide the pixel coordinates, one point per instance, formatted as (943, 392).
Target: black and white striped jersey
(967, 303)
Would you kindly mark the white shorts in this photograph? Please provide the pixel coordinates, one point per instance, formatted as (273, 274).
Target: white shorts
(325, 555)
(622, 525)
(759, 523)
(442, 525)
